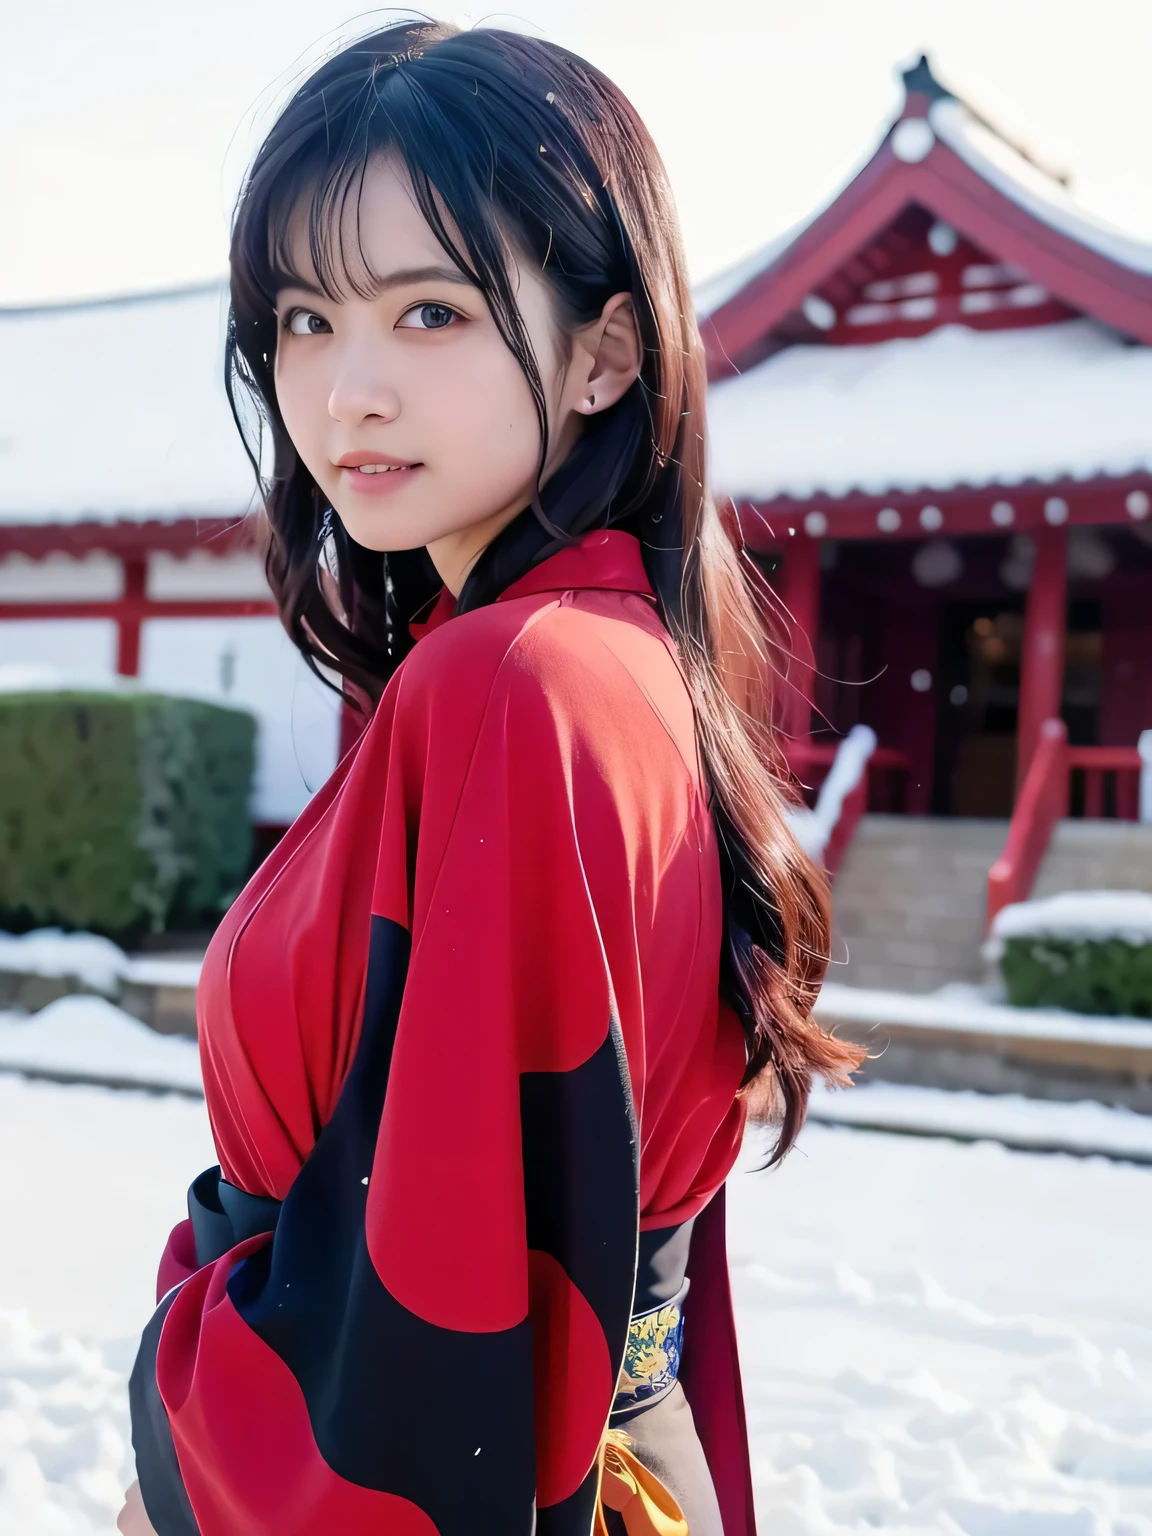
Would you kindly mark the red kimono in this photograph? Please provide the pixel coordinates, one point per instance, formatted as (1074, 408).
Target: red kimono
(462, 1039)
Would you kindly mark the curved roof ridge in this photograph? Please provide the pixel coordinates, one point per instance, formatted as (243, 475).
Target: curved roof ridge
(1040, 192)
(944, 156)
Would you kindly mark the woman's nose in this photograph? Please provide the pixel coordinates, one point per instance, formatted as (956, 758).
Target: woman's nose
(360, 393)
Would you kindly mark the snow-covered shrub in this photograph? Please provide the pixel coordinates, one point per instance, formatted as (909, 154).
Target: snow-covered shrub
(121, 811)
(1089, 951)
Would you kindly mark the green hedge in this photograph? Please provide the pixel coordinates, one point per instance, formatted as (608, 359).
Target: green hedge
(1106, 975)
(122, 812)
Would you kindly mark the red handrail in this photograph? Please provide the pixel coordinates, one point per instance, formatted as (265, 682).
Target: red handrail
(1041, 803)
(804, 756)
(1107, 759)
(852, 808)
(1095, 762)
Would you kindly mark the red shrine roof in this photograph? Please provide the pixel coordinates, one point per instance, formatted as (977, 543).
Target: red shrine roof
(950, 322)
(950, 342)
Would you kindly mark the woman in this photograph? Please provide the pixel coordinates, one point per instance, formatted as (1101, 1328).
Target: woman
(480, 1037)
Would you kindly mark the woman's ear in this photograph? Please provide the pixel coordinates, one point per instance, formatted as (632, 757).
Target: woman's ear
(606, 357)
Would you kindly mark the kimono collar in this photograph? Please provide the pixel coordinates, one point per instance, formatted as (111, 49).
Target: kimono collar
(606, 558)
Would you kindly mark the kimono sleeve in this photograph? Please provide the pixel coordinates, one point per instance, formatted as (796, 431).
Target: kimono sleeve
(429, 1341)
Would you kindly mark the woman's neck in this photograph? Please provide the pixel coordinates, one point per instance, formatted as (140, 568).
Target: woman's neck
(454, 554)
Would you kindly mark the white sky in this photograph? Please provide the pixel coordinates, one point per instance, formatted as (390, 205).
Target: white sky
(125, 125)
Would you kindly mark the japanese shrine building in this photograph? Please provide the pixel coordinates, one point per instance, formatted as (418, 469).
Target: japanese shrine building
(931, 404)
(932, 407)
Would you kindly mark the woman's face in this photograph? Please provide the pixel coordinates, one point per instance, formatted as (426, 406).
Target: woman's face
(407, 407)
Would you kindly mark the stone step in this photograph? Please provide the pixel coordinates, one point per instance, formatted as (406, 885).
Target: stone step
(160, 991)
(909, 904)
(908, 968)
(932, 831)
(913, 980)
(1097, 856)
(926, 906)
(907, 949)
(994, 1049)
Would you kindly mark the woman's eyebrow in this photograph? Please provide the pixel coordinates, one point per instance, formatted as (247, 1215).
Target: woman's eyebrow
(433, 274)
(402, 278)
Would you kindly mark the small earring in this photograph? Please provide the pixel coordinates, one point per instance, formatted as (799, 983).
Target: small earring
(326, 526)
(591, 401)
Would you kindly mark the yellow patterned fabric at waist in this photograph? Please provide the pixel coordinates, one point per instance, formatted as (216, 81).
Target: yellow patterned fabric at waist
(652, 1355)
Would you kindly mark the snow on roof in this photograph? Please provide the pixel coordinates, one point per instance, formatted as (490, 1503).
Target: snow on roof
(987, 153)
(953, 407)
(715, 291)
(116, 409)
(1004, 168)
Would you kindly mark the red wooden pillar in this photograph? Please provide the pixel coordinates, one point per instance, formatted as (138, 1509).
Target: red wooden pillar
(1042, 652)
(799, 591)
(128, 620)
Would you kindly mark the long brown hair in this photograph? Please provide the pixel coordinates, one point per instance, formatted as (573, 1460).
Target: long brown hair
(522, 145)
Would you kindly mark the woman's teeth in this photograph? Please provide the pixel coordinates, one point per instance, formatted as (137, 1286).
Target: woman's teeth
(381, 469)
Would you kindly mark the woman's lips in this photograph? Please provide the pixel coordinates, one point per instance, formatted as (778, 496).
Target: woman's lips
(377, 479)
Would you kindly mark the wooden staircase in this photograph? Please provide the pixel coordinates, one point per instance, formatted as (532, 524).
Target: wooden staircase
(1096, 856)
(909, 904)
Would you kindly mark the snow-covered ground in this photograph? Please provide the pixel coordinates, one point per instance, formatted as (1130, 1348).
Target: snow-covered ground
(937, 1338)
(943, 1338)
(87, 959)
(1034, 1125)
(93, 1182)
(88, 1039)
(961, 1006)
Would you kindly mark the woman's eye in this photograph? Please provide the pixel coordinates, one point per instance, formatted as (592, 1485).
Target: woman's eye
(305, 322)
(428, 317)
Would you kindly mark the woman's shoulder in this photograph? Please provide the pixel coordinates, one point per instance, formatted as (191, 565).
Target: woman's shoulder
(595, 666)
(545, 642)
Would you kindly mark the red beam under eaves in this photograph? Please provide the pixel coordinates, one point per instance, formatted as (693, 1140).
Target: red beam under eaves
(216, 535)
(963, 511)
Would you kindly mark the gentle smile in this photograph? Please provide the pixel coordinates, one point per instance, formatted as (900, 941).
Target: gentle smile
(366, 476)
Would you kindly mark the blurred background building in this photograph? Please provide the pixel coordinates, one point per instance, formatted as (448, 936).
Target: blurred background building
(931, 405)
(123, 546)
